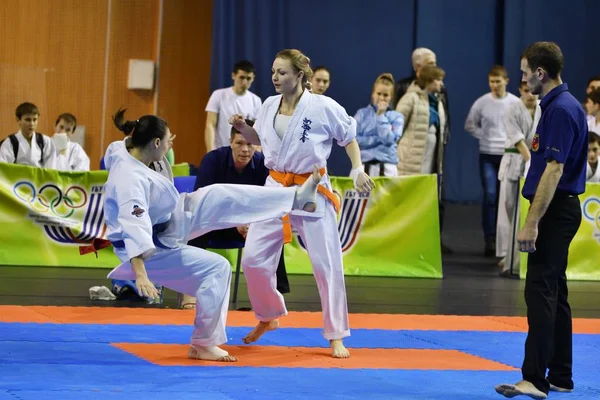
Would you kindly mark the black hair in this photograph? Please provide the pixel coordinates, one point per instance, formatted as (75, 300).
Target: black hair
(68, 118)
(594, 96)
(143, 130)
(244, 65)
(321, 68)
(26, 108)
(545, 55)
(234, 131)
(593, 79)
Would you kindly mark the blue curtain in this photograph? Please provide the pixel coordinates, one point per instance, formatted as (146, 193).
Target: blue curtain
(357, 40)
(254, 30)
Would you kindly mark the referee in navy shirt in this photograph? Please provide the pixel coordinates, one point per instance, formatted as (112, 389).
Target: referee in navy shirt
(239, 164)
(555, 179)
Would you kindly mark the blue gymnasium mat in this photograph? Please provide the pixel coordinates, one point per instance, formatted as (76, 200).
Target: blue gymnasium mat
(73, 361)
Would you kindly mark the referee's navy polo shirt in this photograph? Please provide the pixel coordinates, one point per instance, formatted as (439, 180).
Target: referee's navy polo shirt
(562, 136)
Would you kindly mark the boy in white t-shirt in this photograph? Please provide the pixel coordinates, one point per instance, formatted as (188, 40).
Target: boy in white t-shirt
(485, 123)
(224, 103)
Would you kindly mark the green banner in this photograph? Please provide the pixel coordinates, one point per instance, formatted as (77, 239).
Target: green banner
(393, 231)
(46, 216)
(584, 251)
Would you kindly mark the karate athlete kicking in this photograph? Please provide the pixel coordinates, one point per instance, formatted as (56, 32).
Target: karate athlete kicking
(149, 224)
(296, 130)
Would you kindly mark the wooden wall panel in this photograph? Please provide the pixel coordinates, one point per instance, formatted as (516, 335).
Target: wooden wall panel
(133, 34)
(52, 53)
(184, 85)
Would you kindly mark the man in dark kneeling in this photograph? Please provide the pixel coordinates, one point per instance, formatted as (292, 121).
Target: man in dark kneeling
(238, 163)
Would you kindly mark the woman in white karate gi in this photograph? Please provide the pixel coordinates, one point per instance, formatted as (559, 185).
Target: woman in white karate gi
(149, 224)
(163, 167)
(296, 130)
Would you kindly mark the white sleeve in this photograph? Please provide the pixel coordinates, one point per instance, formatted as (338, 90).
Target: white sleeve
(132, 202)
(473, 122)
(7, 154)
(49, 157)
(214, 102)
(513, 125)
(259, 117)
(80, 160)
(256, 108)
(342, 127)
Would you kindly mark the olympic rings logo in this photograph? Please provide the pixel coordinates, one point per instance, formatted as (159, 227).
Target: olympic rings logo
(50, 198)
(591, 210)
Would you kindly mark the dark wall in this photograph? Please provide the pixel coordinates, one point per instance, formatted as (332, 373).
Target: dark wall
(358, 40)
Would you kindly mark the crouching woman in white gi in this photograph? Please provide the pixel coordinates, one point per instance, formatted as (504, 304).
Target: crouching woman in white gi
(149, 224)
(296, 130)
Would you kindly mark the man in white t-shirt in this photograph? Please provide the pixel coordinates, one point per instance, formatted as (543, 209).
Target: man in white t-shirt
(485, 123)
(224, 103)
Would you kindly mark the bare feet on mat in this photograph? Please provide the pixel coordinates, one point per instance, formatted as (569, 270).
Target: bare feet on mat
(211, 353)
(338, 350)
(260, 330)
(522, 388)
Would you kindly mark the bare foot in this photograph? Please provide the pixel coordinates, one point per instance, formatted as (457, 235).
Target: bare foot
(502, 262)
(522, 388)
(211, 353)
(338, 350)
(188, 302)
(260, 330)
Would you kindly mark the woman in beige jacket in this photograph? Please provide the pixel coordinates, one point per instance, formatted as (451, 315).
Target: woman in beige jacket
(421, 149)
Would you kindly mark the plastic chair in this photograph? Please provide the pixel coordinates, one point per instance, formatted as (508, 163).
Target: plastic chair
(184, 184)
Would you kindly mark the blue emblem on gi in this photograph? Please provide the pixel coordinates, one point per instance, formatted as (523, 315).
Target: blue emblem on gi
(306, 127)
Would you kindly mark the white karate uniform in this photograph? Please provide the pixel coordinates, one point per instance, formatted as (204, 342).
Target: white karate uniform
(75, 160)
(519, 125)
(138, 198)
(316, 121)
(29, 154)
(591, 175)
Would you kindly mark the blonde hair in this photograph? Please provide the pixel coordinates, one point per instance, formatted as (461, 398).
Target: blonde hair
(428, 74)
(386, 79)
(300, 63)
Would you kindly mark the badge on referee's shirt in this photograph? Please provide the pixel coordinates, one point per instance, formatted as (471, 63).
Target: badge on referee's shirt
(535, 143)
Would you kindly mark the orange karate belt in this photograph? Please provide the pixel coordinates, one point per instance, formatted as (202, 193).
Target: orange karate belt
(289, 179)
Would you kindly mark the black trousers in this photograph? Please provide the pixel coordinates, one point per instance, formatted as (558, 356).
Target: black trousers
(228, 235)
(549, 340)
